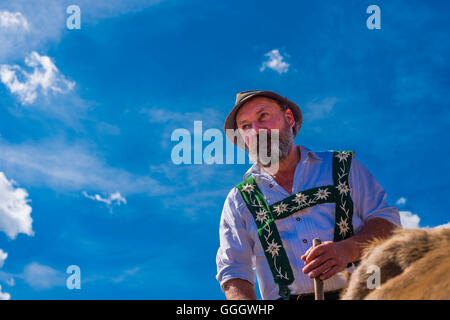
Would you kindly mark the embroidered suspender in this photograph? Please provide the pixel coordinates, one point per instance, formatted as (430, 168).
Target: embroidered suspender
(343, 227)
(265, 215)
(268, 235)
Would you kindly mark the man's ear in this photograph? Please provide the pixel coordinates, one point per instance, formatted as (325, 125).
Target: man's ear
(289, 117)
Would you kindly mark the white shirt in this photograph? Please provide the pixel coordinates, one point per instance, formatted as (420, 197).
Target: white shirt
(240, 250)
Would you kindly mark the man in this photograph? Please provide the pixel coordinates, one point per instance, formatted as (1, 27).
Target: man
(268, 221)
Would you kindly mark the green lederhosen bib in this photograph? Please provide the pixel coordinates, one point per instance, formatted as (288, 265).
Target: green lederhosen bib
(265, 215)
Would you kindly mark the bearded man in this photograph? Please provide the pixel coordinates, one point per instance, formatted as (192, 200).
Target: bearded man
(269, 220)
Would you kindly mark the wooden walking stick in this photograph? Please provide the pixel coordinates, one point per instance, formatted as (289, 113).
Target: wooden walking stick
(318, 284)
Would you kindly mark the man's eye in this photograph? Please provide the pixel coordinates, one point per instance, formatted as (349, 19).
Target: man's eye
(245, 127)
(264, 115)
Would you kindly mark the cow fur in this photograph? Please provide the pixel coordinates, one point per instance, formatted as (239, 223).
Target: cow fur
(414, 264)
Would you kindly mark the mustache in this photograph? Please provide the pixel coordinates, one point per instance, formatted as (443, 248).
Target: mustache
(257, 138)
(259, 141)
(281, 148)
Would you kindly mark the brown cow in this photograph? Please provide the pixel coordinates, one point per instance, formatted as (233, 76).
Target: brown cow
(414, 264)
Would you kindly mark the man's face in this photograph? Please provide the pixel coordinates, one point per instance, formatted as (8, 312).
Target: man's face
(263, 113)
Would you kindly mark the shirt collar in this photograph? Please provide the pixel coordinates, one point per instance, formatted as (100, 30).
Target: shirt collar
(306, 155)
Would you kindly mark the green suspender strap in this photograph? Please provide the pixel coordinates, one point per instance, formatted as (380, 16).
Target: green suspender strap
(343, 227)
(268, 235)
(265, 215)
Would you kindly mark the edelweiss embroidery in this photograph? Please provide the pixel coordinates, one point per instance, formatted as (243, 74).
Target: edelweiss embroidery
(300, 198)
(261, 216)
(248, 188)
(281, 208)
(343, 188)
(343, 227)
(342, 156)
(273, 248)
(322, 194)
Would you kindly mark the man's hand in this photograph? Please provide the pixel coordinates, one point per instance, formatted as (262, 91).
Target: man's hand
(329, 258)
(326, 259)
(239, 289)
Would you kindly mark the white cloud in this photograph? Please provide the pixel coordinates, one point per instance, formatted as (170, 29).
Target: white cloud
(15, 217)
(409, 220)
(4, 295)
(15, 213)
(45, 77)
(37, 276)
(275, 62)
(13, 20)
(3, 256)
(40, 276)
(113, 199)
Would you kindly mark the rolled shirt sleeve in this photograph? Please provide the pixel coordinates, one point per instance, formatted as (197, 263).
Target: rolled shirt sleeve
(369, 197)
(235, 258)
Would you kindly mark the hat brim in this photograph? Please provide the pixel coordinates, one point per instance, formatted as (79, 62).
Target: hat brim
(230, 122)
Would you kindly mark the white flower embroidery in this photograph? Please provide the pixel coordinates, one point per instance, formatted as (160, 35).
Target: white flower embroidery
(343, 227)
(279, 209)
(343, 188)
(248, 188)
(261, 216)
(300, 198)
(273, 248)
(342, 156)
(322, 193)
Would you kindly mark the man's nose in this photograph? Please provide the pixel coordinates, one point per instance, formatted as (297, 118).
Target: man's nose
(256, 125)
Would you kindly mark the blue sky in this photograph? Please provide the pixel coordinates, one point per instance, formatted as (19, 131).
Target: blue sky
(86, 176)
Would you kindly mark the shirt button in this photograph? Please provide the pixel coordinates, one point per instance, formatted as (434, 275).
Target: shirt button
(271, 185)
(305, 241)
(298, 219)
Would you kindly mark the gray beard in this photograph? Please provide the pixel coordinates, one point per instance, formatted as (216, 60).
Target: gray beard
(286, 141)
